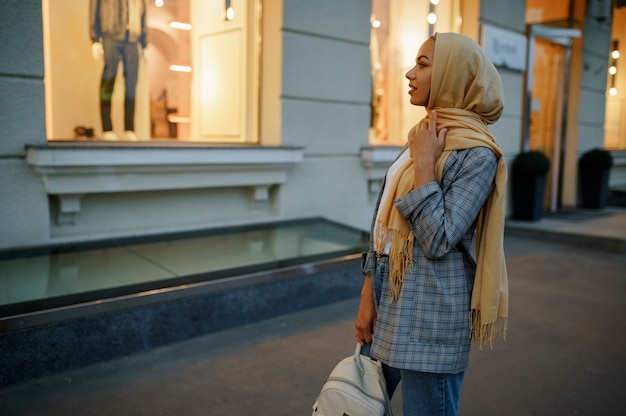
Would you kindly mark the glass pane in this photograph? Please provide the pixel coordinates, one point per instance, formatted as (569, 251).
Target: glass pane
(70, 275)
(398, 28)
(125, 70)
(169, 34)
(615, 118)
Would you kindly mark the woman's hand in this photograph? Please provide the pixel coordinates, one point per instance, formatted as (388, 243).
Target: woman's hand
(426, 145)
(365, 323)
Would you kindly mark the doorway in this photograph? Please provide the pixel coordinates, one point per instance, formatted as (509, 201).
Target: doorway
(547, 79)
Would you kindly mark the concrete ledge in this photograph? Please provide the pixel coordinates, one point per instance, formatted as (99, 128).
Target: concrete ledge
(70, 171)
(611, 244)
(568, 233)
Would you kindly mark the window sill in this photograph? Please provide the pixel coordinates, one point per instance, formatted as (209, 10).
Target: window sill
(71, 171)
(377, 160)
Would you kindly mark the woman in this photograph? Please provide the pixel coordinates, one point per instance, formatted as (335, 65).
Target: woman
(424, 297)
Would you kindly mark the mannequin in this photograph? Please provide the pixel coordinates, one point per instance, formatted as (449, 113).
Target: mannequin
(117, 29)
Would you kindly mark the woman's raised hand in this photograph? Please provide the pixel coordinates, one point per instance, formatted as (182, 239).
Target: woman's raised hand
(426, 145)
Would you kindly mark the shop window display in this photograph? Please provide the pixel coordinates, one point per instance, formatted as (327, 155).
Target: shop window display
(615, 115)
(126, 71)
(397, 28)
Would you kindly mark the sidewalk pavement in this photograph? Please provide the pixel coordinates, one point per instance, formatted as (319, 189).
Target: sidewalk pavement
(564, 354)
(598, 229)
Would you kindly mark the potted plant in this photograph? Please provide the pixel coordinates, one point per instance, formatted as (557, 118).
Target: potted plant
(529, 171)
(593, 173)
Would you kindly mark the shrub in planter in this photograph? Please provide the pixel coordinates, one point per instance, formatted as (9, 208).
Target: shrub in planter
(593, 173)
(529, 180)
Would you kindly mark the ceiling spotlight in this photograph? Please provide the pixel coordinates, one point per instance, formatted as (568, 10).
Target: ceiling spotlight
(180, 68)
(180, 25)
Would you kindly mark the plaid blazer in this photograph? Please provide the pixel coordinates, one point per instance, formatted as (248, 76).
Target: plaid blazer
(427, 327)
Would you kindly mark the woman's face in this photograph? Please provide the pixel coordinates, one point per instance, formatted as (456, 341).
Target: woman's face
(419, 76)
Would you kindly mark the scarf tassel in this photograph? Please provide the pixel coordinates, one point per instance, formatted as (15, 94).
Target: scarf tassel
(400, 256)
(484, 333)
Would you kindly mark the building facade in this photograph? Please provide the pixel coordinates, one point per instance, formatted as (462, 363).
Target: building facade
(268, 110)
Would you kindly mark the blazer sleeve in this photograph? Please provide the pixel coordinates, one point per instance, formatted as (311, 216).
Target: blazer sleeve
(439, 215)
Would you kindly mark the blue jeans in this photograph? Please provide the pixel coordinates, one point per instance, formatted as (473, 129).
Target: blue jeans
(423, 394)
(430, 394)
(128, 52)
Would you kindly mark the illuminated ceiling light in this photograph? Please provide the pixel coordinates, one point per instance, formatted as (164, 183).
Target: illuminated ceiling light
(431, 18)
(229, 11)
(435, 2)
(180, 68)
(612, 70)
(159, 3)
(615, 49)
(172, 118)
(180, 25)
(374, 21)
(613, 92)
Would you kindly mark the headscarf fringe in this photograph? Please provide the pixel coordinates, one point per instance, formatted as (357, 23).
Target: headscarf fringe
(381, 237)
(484, 333)
(400, 255)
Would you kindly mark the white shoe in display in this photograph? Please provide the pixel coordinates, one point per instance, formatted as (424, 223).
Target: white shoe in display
(130, 135)
(109, 135)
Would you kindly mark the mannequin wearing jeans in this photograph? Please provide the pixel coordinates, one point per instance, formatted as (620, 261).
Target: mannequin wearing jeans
(117, 30)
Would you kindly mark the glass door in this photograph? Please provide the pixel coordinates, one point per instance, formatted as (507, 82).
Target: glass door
(546, 101)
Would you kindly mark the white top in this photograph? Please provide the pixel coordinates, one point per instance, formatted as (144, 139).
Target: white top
(391, 173)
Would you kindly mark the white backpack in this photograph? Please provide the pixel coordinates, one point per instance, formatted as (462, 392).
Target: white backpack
(355, 387)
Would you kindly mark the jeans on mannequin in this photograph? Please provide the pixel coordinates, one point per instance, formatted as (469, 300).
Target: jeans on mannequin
(128, 52)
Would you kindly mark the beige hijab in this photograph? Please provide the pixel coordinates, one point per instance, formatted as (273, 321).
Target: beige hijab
(466, 92)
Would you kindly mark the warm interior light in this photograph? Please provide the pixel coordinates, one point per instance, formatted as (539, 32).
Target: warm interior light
(435, 2)
(180, 25)
(172, 118)
(230, 13)
(615, 54)
(613, 91)
(375, 23)
(612, 70)
(180, 68)
(158, 3)
(431, 18)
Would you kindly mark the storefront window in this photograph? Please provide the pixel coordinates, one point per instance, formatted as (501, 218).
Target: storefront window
(399, 27)
(615, 116)
(152, 70)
